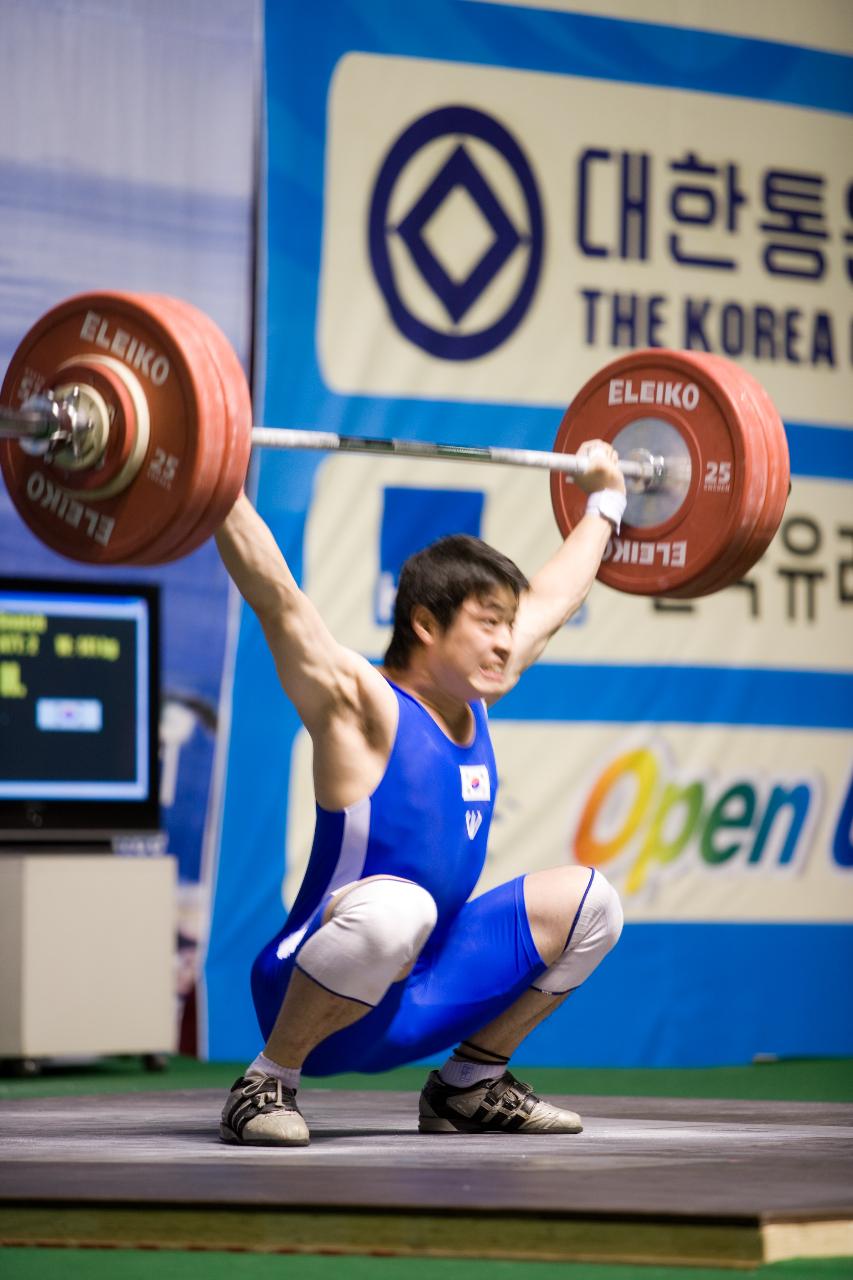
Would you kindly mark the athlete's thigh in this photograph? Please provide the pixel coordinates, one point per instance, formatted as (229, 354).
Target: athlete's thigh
(487, 950)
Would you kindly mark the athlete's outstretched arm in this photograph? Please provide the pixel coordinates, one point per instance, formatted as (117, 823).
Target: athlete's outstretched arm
(560, 587)
(318, 674)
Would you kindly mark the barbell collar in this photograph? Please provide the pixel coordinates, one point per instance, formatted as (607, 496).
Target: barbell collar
(36, 420)
(53, 428)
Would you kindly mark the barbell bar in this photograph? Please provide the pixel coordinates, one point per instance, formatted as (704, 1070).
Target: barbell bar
(126, 427)
(648, 471)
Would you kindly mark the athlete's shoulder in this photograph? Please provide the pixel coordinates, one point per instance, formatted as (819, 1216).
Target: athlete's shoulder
(377, 697)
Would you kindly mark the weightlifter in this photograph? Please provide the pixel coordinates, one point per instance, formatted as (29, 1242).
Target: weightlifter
(385, 957)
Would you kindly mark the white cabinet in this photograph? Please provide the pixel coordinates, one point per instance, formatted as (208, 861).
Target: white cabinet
(87, 946)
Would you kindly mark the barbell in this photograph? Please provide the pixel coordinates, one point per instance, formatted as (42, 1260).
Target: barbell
(126, 429)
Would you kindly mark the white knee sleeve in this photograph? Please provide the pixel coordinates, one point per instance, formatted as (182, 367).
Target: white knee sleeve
(595, 931)
(375, 930)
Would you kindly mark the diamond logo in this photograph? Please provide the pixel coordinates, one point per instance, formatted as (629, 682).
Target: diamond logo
(456, 156)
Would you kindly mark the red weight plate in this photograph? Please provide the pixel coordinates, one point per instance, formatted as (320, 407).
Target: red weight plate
(778, 481)
(670, 538)
(237, 436)
(238, 402)
(179, 538)
(725, 568)
(174, 543)
(166, 369)
(777, 477)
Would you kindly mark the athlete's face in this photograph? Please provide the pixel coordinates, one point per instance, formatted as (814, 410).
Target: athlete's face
(474, 650)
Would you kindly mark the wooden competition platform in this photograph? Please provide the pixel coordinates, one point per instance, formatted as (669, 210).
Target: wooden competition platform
(715, 1183)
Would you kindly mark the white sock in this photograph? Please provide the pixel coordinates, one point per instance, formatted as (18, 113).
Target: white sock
(264, 1066)
(461, 1073)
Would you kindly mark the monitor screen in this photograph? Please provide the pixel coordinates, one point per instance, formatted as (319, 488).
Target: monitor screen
(79, 706)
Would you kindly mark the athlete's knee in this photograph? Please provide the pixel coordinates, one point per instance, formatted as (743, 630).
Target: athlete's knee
(393, 916)
(551, 900)
(375, 930)
(602, 924)
(593, 932)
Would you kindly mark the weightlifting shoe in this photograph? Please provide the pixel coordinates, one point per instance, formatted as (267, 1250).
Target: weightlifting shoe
(261, 1111)
(504, 1105)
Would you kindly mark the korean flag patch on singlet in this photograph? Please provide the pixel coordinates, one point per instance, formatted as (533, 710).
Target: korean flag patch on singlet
(475, 782)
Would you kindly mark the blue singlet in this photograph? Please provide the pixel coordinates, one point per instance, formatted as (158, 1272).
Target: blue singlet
(427, 821)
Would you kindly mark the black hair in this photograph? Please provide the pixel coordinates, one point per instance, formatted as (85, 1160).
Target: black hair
(441, 577)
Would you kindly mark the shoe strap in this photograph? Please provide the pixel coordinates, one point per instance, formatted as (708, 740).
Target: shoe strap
(508, 1082)
(258, 1096)
(507, 1098)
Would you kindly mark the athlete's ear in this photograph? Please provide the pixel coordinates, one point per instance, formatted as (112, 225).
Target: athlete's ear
(424, 624)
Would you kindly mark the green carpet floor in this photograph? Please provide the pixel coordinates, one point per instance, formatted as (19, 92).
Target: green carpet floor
(794, 1080)
(128, 1264)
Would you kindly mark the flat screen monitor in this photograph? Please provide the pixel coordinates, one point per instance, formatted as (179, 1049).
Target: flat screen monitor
(79, 708)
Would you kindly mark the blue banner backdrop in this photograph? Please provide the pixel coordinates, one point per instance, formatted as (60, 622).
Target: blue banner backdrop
(388, 311)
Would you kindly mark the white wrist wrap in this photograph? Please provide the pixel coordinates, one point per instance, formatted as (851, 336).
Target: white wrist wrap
(609, 503)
